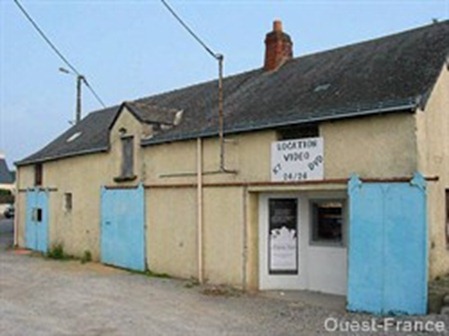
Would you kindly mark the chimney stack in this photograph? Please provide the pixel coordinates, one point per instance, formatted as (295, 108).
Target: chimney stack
(278, 47)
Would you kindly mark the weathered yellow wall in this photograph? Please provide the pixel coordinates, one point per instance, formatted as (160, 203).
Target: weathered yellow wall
(223, 235)
(377, 146)
(171, 218)
(79, 229)
(433, 148)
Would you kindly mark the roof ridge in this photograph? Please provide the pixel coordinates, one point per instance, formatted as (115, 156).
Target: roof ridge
(371, 40)
(259, 69)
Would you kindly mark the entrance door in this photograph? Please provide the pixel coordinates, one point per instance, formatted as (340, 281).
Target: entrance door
(302, 242)
(123, 228)
(36, 223)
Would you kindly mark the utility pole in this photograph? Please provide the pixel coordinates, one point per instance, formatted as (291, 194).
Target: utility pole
(79, 81)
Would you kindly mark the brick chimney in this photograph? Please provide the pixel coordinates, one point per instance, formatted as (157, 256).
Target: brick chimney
(278, 47)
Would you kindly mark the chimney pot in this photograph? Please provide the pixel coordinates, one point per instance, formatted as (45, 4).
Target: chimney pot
(278, 47)
(277, 26)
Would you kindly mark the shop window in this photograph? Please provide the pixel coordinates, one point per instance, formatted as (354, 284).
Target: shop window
(327, 222)
(447, 219)
(38, 174)
(298, 132)
(68, 202)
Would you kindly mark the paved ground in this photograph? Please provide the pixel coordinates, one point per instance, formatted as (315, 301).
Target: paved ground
(45, 297)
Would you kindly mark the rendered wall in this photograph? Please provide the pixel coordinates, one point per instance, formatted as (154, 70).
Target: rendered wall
(223, 235)
(377, 146)
(171, 217)
(433, 147)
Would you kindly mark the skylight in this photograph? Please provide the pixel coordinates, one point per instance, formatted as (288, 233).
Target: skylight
(73, 136)
(322, 87)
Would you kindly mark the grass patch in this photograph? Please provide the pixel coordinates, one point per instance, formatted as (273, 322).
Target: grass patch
(221, 290)
(192, 283)
(87, 257)
(56, 252)
(151, 274)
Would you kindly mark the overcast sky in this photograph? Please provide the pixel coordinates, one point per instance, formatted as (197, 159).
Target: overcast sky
(131, 49)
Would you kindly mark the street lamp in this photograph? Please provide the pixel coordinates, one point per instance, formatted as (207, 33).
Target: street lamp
(79, 80)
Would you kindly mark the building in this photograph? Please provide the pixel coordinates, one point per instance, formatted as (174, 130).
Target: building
(6, 176)
(332, 176)
(7, 185)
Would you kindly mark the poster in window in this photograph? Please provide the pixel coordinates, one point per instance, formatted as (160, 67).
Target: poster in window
(283, 236)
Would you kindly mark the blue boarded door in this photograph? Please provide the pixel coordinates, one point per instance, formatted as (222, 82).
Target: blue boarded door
(123, 228)
(36, 222)
(388, 247)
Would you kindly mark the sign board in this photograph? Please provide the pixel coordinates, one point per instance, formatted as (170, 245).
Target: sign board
(297, 160)
(282, 236)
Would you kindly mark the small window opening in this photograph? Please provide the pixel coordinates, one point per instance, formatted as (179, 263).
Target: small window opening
(38, 174)
(127, 156)
(68, 199)
(37, 215)
(327, 222)
(298, 132)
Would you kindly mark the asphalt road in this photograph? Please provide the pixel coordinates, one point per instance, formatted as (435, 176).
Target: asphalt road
(39, 296)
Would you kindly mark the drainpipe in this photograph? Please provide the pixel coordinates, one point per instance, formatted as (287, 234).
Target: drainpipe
(245, 240)
(199, 170)
(16, 210)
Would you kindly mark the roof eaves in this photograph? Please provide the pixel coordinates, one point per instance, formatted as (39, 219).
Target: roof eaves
(62, 156)
(410, 107)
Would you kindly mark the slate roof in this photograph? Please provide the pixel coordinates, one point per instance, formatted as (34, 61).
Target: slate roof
(5, 175)
(384, 75)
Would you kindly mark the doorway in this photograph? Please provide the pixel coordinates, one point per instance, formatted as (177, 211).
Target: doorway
(303, 242)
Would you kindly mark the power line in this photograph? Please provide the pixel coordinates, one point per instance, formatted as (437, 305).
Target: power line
(214, 55)
(55, 49)
(219, 58)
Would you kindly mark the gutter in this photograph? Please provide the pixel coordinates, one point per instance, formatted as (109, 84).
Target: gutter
(63, 156)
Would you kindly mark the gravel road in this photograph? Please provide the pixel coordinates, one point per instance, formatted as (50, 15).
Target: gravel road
(39, 296)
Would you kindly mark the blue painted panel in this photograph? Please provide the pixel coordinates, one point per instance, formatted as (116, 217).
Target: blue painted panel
(42, 226)
(123, 228)
(405, 289)
(388, 247)
(365, 248)
(36, 227)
